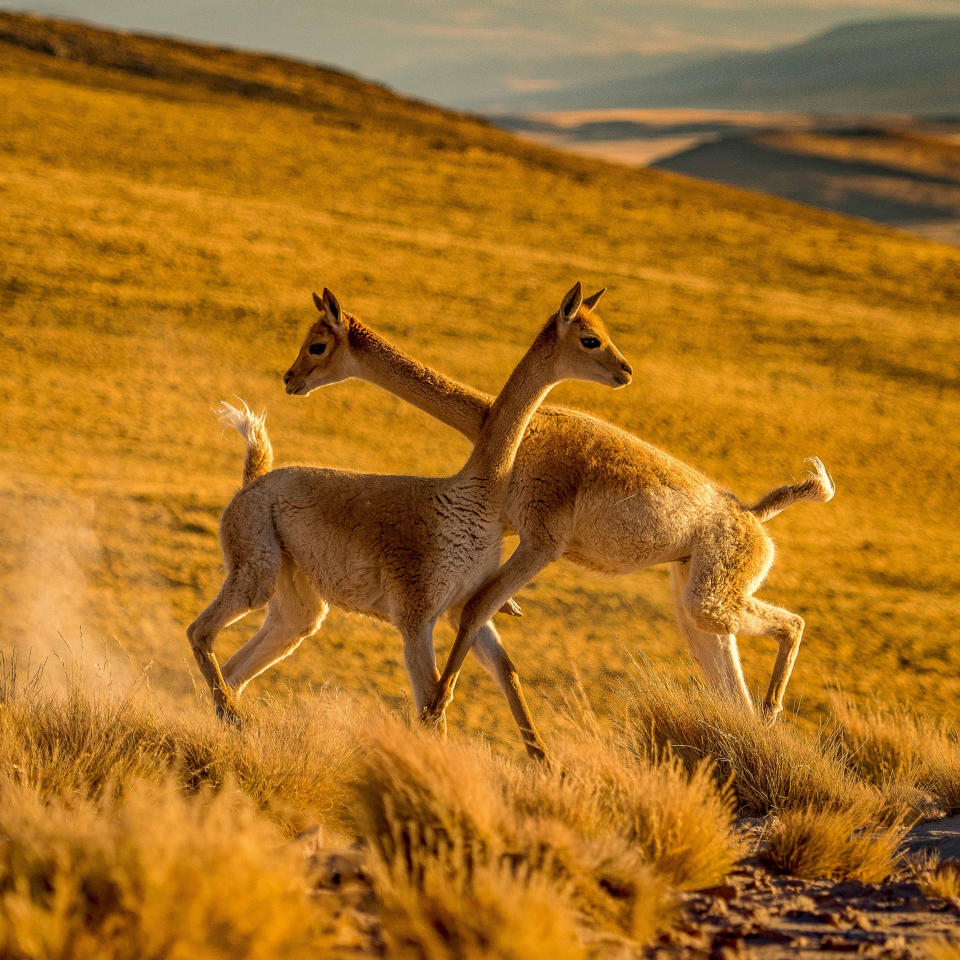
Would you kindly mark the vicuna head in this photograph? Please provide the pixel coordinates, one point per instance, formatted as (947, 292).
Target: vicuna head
(583, 349)
(325, 354)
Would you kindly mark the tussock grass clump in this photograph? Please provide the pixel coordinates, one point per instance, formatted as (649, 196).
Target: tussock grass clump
(770, 768)
(493, 911)
(939, 879)
(151, 874)
(681, 821)
(893, 744)
(840, 844)
(426, 808)
(293, 758)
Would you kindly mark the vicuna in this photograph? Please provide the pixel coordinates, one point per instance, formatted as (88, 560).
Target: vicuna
(586, 490)
(400, 548)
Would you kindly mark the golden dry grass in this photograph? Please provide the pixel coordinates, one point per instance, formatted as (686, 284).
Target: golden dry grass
(770, 769)
(99, 785)
(890, 744)
(494, 913)
(470, 853)
(844, 844)
(940, 880)
(152, 874)
(165, 213)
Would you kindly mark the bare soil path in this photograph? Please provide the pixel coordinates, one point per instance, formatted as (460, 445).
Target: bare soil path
(758, 914)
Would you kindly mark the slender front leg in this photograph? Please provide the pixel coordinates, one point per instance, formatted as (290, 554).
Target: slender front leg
(525, 563)
(495, 659)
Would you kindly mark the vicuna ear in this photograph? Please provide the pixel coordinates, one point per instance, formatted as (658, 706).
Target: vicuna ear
(329, 306)
(590, 302)
(570, 304)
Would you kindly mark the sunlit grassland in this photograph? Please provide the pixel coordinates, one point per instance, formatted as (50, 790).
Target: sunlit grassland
(158, 243)
(132, 829)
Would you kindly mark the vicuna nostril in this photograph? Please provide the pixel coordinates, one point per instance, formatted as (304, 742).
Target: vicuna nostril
(627, 369)
(288, 376)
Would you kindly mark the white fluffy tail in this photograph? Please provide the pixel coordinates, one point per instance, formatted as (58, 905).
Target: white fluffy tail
(252, 427)
(816, 486)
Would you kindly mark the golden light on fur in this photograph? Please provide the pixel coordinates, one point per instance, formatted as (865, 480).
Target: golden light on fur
(586, 490)
(402, 549)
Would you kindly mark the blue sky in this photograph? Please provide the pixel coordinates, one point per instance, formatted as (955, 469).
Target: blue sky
(465, 52)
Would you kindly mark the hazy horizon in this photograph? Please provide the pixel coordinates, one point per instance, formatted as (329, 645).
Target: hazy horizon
(463, 53)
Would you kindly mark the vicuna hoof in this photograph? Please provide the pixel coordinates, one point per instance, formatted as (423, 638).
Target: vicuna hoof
(512, 609)
(430, 717)
(770, 713)
(227, 711)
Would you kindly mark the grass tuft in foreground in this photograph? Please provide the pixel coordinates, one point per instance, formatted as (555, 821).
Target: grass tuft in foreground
(134, 831)
(293, 759)
(840, 844)
(479, 819)
(153, 873)
(470, 854)
(770, 768)
(890, 744)
(938, 879)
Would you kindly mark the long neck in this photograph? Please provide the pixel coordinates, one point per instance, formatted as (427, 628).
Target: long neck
(453, 403)
(526, 388)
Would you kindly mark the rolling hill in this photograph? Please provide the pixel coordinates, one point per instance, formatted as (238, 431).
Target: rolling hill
(166, 210)
(899, 171)
(907, 178)
(902, 65)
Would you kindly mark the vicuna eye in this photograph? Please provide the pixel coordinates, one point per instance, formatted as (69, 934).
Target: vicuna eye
(591, 343)
(317, 348)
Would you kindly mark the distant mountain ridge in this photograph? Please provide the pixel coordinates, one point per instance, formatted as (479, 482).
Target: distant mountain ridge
(902, 65)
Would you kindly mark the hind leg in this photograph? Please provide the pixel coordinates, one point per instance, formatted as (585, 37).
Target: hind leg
(718, 598)
(295, 613)
(716, 653)
(764, 619)
(241, 592)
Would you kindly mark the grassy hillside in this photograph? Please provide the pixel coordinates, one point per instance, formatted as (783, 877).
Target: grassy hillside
(167, 209)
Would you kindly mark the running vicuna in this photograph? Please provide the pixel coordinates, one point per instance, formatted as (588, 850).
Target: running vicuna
(586, 490)
(402, 549)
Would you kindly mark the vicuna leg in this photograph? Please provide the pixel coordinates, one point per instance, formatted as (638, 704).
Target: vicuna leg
(295, 613)
(524, 564)
(764, 619)
(421, 663)
(718, 598)
(241, 592)
(716, 653)
(495, 659)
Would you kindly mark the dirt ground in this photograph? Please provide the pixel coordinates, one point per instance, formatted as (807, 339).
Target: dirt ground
(762, 915)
